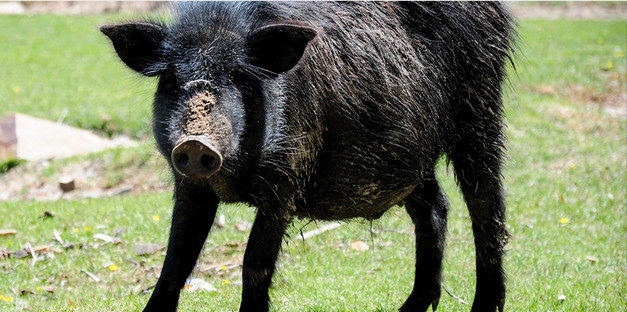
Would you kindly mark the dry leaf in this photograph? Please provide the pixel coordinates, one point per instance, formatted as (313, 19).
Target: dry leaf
(26, 292)
(106, 238)
(20, 254)
(592, 259)
(243, 226)
(143, 249)
(7, 232)
(72, 245)
(47, 214)
(41, 249)
(196, 284)
(359, 245)
(28, 251)
(221, 222)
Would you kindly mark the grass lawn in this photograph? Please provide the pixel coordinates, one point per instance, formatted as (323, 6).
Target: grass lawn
(61, 67)
(566, 185)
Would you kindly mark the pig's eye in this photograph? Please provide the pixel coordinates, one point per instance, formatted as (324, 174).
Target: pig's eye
(168, 81)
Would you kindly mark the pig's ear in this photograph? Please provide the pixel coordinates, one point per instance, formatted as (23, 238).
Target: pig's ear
(137, 44)
(279, 47)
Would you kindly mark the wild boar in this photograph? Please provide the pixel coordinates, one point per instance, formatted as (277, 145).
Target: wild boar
(328, 111)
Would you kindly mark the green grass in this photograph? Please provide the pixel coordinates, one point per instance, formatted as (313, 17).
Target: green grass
(566, 183)
(9, 164)
(61, 67)
(565, 52)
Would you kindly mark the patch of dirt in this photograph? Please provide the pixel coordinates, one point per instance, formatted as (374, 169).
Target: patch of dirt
(612, 100)
(39, 180)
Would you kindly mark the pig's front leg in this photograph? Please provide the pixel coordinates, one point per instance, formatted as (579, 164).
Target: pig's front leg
(260, 258)
(194, 210)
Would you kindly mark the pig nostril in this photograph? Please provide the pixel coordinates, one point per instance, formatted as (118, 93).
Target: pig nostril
(207, 161)
(195, 159)
(182, 160)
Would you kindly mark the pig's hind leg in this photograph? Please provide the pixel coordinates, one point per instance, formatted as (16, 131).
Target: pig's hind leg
(477, 164)
(427, 206)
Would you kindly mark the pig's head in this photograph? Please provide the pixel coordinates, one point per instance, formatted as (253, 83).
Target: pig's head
(205, 67)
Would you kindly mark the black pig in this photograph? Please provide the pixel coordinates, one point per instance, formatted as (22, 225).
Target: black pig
(328, 111)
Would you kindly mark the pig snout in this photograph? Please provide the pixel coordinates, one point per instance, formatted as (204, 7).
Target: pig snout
(195, 157)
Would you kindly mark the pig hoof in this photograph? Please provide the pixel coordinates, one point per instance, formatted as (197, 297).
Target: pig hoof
(421, 303)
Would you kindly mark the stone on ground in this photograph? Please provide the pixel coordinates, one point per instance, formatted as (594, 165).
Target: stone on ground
(32, 139)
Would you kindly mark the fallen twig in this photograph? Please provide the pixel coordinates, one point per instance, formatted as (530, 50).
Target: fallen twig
(321, 230)
(147, 289)
(32, 253)
(92, 275)
(7, 232)
(455, 297)
(57, 237)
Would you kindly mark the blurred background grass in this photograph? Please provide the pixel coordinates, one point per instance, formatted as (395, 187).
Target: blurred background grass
(61, 67)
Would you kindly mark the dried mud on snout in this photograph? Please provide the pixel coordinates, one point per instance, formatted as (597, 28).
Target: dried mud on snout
(198, 113)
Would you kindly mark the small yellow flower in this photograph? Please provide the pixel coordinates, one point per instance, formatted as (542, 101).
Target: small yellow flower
(600, 40)
(223, 267)
(113, 267)
(87, 229)
(609, 65)
(16, 89)
(226, 282)
(571, 165)
(564, 220)
(39, 288)
(75, 230)
(8, 299)
(156, 218)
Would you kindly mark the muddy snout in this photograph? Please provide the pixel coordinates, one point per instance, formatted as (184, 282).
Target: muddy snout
(196, 157)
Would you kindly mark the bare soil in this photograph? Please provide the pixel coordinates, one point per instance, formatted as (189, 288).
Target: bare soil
(613, 101)
(101, 177)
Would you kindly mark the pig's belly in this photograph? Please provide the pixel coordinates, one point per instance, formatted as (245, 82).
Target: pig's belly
(361, 181)
(352, 198)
